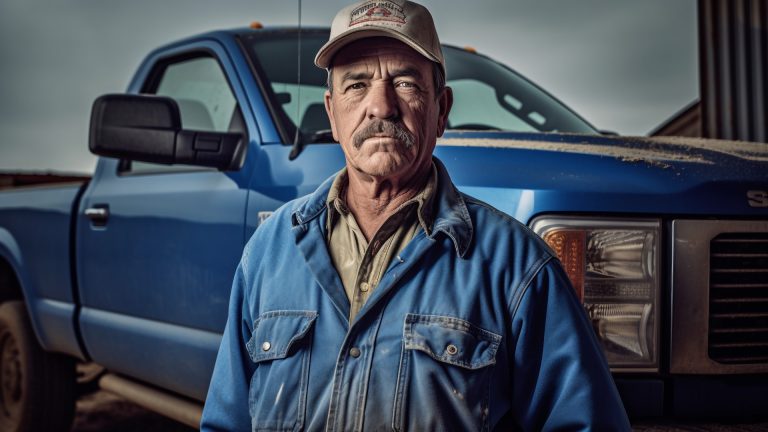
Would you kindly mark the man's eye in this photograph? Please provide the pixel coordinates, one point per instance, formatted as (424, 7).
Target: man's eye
(356, 86)
(406, 84)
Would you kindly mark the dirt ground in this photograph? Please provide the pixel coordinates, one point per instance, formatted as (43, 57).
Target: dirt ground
(103, 412)
(708, 427)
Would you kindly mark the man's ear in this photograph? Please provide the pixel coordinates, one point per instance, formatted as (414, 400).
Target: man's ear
(444, 103)
(329, 111)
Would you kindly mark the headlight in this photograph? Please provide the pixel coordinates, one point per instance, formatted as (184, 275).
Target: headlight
(613, 266)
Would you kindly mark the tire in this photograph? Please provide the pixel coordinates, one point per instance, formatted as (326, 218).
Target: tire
(37, 388)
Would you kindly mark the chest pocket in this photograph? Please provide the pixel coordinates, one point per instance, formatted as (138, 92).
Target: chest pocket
(444, 376)
(279, 346)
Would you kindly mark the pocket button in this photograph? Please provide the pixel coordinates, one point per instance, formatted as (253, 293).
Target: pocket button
(266, 346)
(451, 349)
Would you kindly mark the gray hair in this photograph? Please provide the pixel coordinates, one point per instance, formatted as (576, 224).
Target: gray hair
(438, 78)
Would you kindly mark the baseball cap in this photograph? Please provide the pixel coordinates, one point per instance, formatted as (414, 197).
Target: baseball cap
(408, 22)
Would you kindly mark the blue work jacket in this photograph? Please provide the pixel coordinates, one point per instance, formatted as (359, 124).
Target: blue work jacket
(474, 326)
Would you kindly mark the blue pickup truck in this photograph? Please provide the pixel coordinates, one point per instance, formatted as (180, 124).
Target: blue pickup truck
(664, 239)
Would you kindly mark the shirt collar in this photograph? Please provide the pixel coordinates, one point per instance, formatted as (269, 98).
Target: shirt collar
(424, 200)
(449, 211)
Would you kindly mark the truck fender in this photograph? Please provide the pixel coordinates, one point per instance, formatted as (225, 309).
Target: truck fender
(10, 253)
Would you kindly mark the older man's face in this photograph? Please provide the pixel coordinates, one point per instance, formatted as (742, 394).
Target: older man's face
(384, 109)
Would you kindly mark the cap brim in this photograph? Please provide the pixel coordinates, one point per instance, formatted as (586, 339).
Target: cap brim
(326, 53)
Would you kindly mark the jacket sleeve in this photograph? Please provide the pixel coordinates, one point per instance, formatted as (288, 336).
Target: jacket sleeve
(560, 378)
(226, 406)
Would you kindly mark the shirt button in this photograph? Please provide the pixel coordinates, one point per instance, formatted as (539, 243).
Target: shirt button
(266, 346)
(354, 352)
(365, 286)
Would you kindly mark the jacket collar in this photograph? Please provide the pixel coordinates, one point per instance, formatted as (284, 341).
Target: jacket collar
(451, 214)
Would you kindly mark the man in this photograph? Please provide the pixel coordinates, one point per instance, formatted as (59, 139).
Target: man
(389, 300)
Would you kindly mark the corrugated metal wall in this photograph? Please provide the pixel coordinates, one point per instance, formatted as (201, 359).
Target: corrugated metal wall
(733, 50)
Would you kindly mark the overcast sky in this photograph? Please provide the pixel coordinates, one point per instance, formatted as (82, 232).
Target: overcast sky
(625, 65)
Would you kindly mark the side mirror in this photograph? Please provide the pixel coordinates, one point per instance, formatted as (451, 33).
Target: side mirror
(148, 128)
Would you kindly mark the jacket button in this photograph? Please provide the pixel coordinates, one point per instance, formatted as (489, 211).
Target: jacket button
(365, 286)
(451, 349)
(354, 352)
(266, 346)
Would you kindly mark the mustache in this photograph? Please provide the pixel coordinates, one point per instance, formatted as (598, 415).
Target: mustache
(388, 128)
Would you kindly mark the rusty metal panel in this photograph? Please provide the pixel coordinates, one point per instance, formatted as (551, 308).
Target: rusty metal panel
(733, 50)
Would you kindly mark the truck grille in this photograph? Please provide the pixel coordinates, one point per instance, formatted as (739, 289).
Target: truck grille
(738, 298)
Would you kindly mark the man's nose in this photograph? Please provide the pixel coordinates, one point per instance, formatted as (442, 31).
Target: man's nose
(382, 102)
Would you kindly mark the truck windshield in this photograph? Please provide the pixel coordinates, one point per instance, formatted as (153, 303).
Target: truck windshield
(487, 94)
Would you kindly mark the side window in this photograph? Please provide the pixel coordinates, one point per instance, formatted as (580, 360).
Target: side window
(205, 100)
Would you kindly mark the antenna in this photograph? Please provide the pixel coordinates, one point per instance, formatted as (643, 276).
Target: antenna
(297, 144)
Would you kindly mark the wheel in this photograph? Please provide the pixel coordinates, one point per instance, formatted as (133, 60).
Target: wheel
(37, 389)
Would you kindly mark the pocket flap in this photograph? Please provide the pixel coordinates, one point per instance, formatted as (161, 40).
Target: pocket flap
(451, 340)
(275, 332)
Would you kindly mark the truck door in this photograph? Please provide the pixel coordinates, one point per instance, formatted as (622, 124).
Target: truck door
(158, 245)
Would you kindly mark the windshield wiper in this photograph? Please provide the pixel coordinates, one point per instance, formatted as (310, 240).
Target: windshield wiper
(324, 135)
(474, 127)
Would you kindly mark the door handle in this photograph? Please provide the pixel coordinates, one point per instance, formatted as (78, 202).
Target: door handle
(98, 214)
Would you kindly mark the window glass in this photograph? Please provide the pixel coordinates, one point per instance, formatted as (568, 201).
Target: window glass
(294, 105)
(206, 102)
(490, 96)
(202, 92)
(471, 109)
(288, 94)
(487, 95)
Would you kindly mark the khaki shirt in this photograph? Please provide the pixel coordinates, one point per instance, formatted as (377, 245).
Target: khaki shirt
(361, 264)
